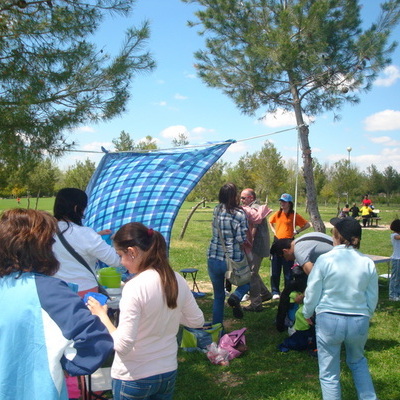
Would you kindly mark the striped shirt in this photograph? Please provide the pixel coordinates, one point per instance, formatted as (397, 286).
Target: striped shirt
(233, 228)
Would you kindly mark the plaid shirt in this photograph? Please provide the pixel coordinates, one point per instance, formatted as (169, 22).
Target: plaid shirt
(233, 228)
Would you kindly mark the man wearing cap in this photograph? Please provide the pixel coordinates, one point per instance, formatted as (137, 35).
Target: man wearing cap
(342, 290)
(260, 243)
(285, 224)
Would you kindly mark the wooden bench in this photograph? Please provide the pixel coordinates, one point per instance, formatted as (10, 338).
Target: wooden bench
(373, 220)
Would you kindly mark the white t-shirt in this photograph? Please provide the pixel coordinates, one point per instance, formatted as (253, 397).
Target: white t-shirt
(396, 246)
(145, 340)
(89, 244)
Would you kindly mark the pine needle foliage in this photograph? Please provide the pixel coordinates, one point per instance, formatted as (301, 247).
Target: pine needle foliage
(52, 78)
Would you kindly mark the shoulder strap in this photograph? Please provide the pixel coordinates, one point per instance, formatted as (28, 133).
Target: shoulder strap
(81, 260)
(316, 238)
(73, 252)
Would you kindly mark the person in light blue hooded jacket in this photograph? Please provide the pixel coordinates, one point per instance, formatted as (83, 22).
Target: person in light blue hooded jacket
(342, 290)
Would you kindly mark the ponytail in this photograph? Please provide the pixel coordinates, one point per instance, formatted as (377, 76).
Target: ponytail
(153, 244)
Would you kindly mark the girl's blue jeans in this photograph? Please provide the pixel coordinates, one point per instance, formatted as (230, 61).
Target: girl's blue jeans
(332, 330)
(156, 387)
(394, 285)
(216, 270)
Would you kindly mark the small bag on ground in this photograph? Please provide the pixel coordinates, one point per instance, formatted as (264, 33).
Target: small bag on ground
(234, 343)
(198, 339)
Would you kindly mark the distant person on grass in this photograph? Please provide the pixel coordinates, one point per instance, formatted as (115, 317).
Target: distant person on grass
(355, 211)
(342, 290)
(232, 221)
(285, 224)
(259, 247)
(366, 213)
(394, 285)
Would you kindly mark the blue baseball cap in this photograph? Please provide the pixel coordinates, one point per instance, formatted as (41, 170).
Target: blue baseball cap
(286, 197)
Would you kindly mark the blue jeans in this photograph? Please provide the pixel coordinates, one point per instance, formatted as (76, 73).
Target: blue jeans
(332, 330)
(394, 285)
(156, 387)
(277, 263)
(216, 271)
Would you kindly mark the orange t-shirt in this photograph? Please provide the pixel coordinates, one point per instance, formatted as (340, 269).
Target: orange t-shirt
(284, 224)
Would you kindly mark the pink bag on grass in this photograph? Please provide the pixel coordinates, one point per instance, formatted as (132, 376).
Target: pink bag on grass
(234, 343)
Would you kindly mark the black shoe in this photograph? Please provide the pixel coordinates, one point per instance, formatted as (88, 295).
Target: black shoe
(266, 297)
(234, 302)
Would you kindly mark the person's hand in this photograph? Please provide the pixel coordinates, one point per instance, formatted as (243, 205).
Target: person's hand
(95, 307)
(309, 321)
(105, 232)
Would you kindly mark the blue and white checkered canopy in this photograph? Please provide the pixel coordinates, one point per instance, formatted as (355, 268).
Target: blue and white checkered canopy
(146, 187)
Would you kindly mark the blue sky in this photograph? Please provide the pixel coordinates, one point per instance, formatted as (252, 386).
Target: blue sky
(171, 100)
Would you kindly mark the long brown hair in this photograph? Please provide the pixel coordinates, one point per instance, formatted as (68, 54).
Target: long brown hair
(26, 238)
(291, 209)
(228, 196)
(152, 243)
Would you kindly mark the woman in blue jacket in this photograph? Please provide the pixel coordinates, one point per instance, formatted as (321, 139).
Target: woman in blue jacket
(45, 328)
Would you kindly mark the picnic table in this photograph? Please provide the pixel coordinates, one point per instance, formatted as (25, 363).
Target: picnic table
(381, 259)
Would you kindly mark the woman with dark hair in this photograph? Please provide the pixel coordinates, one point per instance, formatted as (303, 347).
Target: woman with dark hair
(232, 222)
(342, 290)
(44, 326)
(154, 303)
(285, 224)
(69, 208)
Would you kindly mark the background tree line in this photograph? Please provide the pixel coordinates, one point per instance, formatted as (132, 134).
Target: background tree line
(270, 175)
(265, 170)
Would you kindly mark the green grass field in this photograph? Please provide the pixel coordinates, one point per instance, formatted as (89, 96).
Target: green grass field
(263, 373)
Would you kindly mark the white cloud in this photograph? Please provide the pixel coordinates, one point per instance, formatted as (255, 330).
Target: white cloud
(388, 156)
(96, 146)
(72, 157)
(281, 118)
(189, 75)
(180, 97)
(385, 140)
(391, 75)
(200, 130)
(194, 135)
(237, 148)
(161, 103)
(85, 129)
(387, 120)
(173, 131)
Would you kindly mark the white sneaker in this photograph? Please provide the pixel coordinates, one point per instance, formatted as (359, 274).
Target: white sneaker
(275, 297)
(246, 297)
(291, 330)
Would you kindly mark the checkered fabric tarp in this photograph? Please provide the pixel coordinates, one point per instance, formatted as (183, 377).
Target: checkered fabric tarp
(146, 187)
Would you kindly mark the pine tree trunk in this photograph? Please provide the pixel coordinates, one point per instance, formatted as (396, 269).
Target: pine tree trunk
(308, 172)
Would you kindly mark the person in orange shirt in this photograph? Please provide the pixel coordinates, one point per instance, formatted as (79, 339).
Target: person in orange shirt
(285, 224)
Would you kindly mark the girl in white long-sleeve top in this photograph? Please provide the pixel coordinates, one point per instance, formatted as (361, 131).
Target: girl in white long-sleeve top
(154, 303)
